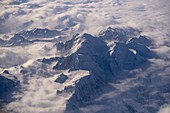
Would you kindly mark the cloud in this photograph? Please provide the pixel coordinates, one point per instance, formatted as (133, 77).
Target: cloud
(9, 58)
(39, 97)
(163, 52)
(164, 109)
(15, 56)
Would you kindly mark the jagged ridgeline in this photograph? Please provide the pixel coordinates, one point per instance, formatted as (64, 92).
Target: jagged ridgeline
(103, 56)
(31, 36)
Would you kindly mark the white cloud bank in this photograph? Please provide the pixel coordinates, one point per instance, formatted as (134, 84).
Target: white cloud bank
(15, 56)
(39, 96)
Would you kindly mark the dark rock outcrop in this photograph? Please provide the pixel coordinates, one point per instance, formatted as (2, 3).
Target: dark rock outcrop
(61, 79)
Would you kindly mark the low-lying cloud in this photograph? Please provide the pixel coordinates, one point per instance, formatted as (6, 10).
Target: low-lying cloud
(9, 58)
(39, 96)
(164, 109)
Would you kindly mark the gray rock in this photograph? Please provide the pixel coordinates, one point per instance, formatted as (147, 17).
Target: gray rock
(61, 79)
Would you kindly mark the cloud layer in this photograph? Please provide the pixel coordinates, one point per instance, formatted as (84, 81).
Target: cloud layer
(39, 97)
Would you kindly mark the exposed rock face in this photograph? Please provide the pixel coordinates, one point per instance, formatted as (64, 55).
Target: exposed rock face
(86, 89)
(141, 40)
(129, 55)
(16, 40)
(86, 52)
(122, 57)
(140, 45)
(2, 42)
(118, 34)
(50, 60)
(61, 79)
(7, 86)
(6, 72)
(39, 33)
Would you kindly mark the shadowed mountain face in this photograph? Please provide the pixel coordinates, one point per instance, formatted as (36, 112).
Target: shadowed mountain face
(7, 87)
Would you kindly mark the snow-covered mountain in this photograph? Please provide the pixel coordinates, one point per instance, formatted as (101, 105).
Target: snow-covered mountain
(84, 56)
